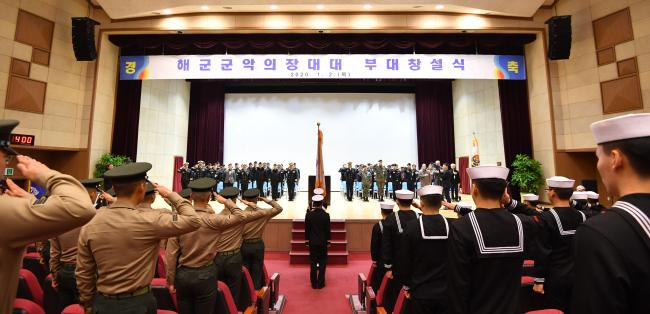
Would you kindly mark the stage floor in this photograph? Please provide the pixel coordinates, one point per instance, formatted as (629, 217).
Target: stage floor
(340, 207)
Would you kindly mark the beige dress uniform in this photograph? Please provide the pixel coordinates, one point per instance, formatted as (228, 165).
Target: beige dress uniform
(68, 207)
(121, 244)
(252, 249)
(199, 247)
(63, 249)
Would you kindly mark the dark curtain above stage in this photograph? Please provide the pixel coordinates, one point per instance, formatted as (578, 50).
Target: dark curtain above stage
(127, 112)
(515, 119)
(205, 125)
(434, 108)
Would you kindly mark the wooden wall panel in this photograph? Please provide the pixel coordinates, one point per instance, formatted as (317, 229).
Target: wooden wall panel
(19, 67)
(359, 234)
(606, 56)
(580, 166)
(627, 67)
(34, 30)
(613, 29)
(622, 94)
(72, 162)
(41, 57)
(277, 236)
(24, 94)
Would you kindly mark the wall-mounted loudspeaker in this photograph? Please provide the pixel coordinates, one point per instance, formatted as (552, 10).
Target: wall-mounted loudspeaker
(559, 37)
(83, 38)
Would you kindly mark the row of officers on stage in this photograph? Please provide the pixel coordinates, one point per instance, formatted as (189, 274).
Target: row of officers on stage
(584, 264)
(269, 180)
(377, 174)
(587, 259)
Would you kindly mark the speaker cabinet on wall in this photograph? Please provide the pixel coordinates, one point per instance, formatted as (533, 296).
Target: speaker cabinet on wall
(83, 38)
(559, 37)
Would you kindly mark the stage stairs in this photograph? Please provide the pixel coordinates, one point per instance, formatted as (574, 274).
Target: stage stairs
(337, 254)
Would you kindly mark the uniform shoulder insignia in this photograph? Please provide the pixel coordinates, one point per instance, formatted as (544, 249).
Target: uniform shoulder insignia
(41, 200)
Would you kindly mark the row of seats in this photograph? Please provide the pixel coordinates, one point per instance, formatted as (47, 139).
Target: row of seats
(369, 301)
(37, 295)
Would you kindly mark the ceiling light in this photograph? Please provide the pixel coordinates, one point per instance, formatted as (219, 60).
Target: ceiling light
(167, 11)
(274, 7)
(320, 7)
(440, 7)
(367, 6)
(477, 11)
(204, 7)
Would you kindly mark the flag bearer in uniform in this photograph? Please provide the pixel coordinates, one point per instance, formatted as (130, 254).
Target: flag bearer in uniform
(423, 256)
(25, 221)
(613, 249)
(190, 257)
(376, 242)
(317, 238)
(486, 249)
(228, 248)
(554, 262)
(63, 256)
(252, 250)
(117, 249)
(392, 237)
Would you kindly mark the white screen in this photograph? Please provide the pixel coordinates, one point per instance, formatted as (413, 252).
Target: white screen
(281, 128)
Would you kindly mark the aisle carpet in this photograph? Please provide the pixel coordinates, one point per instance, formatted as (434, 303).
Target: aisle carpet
(301, 298)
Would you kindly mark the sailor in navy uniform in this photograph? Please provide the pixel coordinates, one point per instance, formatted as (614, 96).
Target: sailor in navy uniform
(423, 256)
(613, 249)
(390, 250)
(375, 245)
(595, 208)
(522, 208)
(486, 249)
(554, 263)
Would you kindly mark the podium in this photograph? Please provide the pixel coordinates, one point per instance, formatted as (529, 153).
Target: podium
(328, 188)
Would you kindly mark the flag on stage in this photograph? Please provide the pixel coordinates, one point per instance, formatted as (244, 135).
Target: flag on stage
(320, 170)
(476, 160)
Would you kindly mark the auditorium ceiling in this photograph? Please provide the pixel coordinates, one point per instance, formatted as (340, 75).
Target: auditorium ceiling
(121, 9)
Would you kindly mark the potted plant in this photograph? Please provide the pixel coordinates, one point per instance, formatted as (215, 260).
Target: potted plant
(527, 174)
(108, 159)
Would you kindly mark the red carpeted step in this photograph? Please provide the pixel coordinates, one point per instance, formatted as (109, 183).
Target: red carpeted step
(333, 258)
(299, 234)
(337, 246)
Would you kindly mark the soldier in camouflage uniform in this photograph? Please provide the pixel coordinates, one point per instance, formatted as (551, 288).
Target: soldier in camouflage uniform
(366, 181)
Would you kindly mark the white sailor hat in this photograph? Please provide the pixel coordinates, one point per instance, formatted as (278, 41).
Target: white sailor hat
(317, 198)
(430, 189)
(592, 195)
(488, 172)
(560, 182)
(318, 191)
(404, 194)
(530, 197)
(463, 205)
(580, 188)
(621, 128)
(579, 196)
(387, 205)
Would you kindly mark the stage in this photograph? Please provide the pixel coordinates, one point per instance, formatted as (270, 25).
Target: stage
(358, 216)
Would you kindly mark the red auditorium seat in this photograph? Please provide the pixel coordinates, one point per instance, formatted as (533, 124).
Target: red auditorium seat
(399, 304)
(376, 300)
(73, 309)
(32, 262)
(276, 300)
(248, 294)
(165, 312)
(24, 306)
(528, 267)
(29, 288)
(548, 311)
(263, 300)
(161, 271)
(50, 297)
(31, 249)
(166, 300)
(529, 300)
(225, 303)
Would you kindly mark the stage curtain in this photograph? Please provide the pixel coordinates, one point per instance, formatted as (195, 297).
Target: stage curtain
(434, 110)
(127, 119)
(178, 163)
(174, 44)
(515, 122)
(463, 164)
(206, 121)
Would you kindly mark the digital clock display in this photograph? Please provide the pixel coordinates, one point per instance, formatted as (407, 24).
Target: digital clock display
(22, 139)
